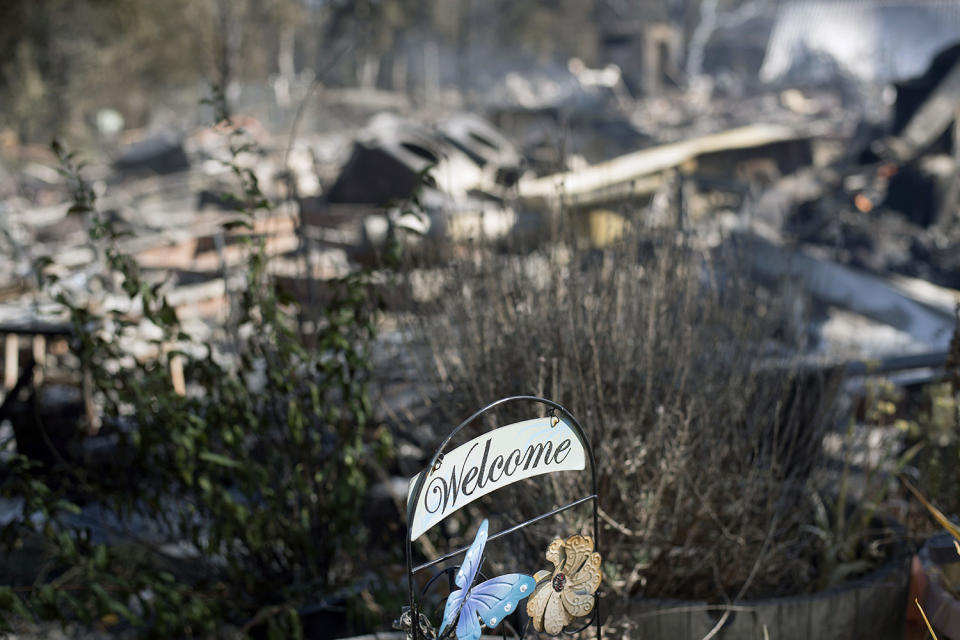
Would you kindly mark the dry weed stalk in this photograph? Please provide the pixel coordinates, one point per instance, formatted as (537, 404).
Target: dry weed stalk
(655, 346)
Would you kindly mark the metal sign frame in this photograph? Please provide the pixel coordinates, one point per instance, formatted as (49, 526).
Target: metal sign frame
(436, 460)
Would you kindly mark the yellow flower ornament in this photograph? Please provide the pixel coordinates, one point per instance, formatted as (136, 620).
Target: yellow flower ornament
(567, 592)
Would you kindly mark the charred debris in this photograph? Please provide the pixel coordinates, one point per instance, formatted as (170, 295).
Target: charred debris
(858, 213)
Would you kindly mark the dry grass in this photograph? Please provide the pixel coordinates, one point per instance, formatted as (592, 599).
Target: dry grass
(655, 346)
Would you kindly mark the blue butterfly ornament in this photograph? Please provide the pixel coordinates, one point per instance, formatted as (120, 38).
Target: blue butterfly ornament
(490, 601)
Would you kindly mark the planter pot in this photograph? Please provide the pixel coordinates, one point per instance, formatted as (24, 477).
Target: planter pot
(871, 607)
(942, 609)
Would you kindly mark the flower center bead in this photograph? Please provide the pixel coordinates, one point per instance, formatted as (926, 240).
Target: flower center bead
(558, 581)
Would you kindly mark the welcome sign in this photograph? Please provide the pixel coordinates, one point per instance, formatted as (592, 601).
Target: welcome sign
(493, 461)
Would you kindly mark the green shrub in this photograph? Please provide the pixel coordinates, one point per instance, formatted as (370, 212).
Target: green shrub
(934, 425)
(261, 481)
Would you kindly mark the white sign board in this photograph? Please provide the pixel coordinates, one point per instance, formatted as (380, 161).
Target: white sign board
(493, 461)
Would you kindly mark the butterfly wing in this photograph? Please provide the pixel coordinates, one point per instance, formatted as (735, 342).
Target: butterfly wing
(498, 597)
(451, 609)
(471, 562)
(468, 626)
(464, 578)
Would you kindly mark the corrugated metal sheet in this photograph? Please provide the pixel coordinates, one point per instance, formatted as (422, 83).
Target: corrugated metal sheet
(873, 40)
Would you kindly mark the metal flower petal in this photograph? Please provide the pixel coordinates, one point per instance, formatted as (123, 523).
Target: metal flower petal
(567, 592)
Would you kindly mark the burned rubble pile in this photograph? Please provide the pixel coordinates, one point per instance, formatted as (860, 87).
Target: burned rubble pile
(892, 205)
(861, 214)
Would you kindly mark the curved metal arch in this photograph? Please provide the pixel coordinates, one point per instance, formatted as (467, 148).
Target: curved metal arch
(414, 499)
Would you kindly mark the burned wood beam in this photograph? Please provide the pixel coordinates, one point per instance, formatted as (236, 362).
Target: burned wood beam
(885, 300)
(175, 363)
(13, 289)
(11, 360)
(927, 124)
(89, 405)
(39, 347)
(895, 364)
(640, 173)
(52, 330)
(199, 252)
(204, 299)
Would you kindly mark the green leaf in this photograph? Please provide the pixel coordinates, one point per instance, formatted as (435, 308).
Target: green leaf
(236, 224)
(100, 556)
(167, 314)
(10, 601)
(216, 458)
(114, 605)
(68, 506)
